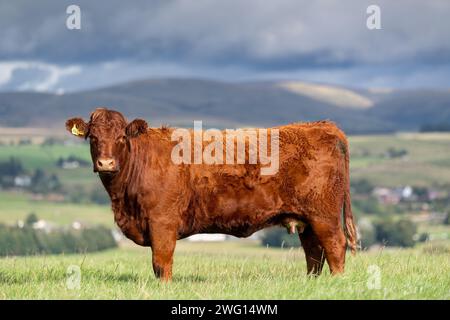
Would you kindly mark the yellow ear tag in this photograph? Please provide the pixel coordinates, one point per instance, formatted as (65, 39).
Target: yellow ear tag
(77, 132)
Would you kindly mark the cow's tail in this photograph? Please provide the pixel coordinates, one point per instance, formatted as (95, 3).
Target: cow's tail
(349, 225)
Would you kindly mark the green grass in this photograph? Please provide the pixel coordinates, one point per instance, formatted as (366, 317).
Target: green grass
(426, 163)
(225, 271)
(45, 157)
(35, 156)
(15, 206)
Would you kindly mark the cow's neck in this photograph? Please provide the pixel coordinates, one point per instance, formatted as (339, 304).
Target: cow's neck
(110, 182)
(146, 156)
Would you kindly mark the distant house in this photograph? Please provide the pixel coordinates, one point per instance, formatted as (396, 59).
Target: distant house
(70, 164)
(22, 181)
(436, 194)
(394, 195)
(217, 237)
(76, 225)
(386, 195)
(44, 226)
(117, 235)
(407, 192)
(207, 237)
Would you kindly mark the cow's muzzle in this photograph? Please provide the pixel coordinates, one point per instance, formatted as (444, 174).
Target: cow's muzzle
(106, 165)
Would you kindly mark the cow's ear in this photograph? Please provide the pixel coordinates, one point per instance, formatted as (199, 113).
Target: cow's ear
(77, 127)
(136, 127)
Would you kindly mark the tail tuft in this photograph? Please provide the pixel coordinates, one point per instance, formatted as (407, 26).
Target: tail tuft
(349, 224)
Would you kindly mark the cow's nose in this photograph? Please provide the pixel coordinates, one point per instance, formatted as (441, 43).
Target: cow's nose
(106, 164)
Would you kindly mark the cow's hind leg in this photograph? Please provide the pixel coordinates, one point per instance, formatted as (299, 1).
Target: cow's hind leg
(314, 252)
(332, 239)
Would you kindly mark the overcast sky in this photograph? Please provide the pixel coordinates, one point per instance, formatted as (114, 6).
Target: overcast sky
(234, 40)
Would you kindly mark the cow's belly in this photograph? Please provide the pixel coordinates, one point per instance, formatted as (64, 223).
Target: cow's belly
(244, 225)
(239, 229)
(241, 210)
(237, 212)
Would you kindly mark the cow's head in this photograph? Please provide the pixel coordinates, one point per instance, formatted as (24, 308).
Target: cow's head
(109, 135)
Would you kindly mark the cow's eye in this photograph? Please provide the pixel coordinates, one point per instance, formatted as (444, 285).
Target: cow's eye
(122, 139)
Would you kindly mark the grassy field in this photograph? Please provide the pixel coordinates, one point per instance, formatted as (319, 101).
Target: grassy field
(426, 163)
(35, 156)
(15, 206)
(226, 271)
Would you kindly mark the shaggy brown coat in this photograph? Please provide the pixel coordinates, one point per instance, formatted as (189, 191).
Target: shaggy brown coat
(155, 202)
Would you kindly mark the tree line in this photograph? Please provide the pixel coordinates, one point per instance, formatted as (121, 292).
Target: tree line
(386, 232)
(26, 240)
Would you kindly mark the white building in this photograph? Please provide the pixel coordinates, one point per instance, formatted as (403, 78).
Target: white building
(207, 237)
(22, 181)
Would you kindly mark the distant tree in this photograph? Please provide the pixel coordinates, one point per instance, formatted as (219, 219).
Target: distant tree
(362, 186)
(13, 167)
(60, 162)
(53, 183)
(447, 219)
(24, 142)
(368, 206)
(38, 177)
(51, 141)
(77, 194)
(25, 241)
(279, 238)
(421, 192)
(398, 233)
(423, 237)
(42, 183)
(396, 153)
(99, 196)
(31, 219)
(9, 170)
(368, 235)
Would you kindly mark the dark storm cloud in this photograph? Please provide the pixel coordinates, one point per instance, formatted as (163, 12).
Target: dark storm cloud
(256, 34)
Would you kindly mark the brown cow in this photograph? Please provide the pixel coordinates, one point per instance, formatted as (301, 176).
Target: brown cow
(155, 201)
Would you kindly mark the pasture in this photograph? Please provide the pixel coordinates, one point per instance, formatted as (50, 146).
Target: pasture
(426, 162)
(232, 270)
(15, 206)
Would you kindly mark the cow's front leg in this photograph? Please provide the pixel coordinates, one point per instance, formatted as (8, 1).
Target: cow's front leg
(163, 240)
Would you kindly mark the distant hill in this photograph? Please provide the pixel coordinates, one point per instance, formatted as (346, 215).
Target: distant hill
(178, 102)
